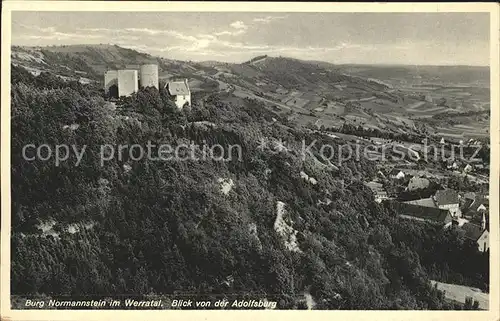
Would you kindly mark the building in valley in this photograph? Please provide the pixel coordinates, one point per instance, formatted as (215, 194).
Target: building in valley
(421, 213)
(477, 234)
(448, 199)
(425, 202)
(475, 207)
(397, 174)
(378, 191)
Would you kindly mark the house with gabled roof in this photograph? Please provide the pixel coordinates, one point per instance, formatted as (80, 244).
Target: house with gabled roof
(477, 234)
(397, 174)
(476, 206)
(378, 191)
(443, 199)
(416, 212)
(468, 168)
(180, 91)
(448, 199)
(479, 205)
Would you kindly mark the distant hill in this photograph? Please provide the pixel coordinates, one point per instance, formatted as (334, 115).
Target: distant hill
(296, 73)
(105, 53)
(91, 61)
(458, 75)
(212, 63)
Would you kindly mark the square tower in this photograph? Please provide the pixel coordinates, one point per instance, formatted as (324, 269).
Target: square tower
(127, 82)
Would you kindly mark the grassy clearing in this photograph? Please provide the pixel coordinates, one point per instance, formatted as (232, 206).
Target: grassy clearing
(459, 293)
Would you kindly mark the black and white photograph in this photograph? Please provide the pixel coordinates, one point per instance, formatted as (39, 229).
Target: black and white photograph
(250, 160)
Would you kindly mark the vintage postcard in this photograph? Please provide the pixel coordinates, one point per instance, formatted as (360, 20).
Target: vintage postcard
(249, 160)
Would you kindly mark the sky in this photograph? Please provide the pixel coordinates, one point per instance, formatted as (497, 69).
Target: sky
(341, 38)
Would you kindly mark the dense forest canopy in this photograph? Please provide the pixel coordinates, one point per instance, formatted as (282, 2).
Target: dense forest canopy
(148, 227)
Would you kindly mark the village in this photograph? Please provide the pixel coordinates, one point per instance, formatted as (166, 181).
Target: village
(448, 193)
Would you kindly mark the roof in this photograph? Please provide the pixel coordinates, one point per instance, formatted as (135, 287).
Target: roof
(395, 171)
(478, 201)
(481, 207)
(431, 214)
(483, 200)
(446, 197)
(374, 186)
(178, 88)
(426, 202)
(472, 231)
(467, 204)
